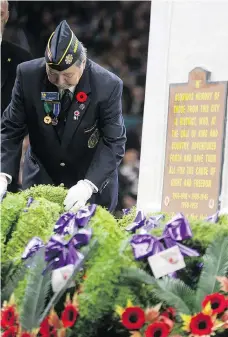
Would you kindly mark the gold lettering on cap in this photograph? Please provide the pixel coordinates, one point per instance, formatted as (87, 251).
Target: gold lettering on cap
(76, 46)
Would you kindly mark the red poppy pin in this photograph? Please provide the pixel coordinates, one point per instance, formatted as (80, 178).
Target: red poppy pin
(81, 97)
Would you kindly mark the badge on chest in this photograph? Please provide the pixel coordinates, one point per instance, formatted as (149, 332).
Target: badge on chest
(93, 139)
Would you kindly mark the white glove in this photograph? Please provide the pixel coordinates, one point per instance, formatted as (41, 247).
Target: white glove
(78, 195)
(3, 185)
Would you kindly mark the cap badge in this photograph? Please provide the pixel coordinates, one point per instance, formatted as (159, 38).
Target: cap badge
(93, 139)
(69, 59)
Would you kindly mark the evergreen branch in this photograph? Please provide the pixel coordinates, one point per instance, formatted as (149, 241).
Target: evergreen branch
(172, 291)
(36, 293)
(12, 278)
(175, 293)
(137, 275)
(215, 264)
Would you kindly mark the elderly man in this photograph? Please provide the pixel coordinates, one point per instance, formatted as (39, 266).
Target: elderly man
(72, 109)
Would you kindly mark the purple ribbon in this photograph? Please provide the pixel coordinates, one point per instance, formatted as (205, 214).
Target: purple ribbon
(178, 229)
(69, 222)
(32, 247)
(84, 214)
(82, 237)
(153, 222)
(126, 211)
(137, 223)
(60, 253)
(213, 218)
(29, 202)
(143, 223)
(65, 224)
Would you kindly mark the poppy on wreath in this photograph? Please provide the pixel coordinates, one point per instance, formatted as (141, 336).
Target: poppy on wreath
(69, 316)
(201, 324)
(11, 332)
(157, 329)
(167, 321)
(132, 317)
(8, 317)
(169, 313)
(46, 329)
(81, 97)
(217, 302)
(25, 334)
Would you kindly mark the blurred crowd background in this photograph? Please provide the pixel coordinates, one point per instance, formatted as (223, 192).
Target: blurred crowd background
(116, 35)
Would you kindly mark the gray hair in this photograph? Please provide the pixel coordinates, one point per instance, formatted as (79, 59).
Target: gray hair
(82, 57)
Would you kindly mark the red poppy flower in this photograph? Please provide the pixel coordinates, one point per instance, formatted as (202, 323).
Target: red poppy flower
(81, 97)
(217, 301)
(201, 324)
(46, 329)
(133, 318)
(8, 317)
(69, 316)
(11, 332)
(169, 313)
(167, 321)
(25, 334)
(157, 329)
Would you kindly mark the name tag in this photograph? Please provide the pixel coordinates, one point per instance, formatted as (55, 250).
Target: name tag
(49, 96)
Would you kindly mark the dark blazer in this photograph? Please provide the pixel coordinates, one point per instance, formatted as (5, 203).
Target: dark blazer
(49, 161)
(11, 56)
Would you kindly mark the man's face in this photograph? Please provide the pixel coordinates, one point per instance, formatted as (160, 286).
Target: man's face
(67, 78)
(4, 14)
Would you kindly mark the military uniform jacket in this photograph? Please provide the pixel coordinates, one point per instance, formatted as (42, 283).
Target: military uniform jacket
(11, 56)
(91, 147)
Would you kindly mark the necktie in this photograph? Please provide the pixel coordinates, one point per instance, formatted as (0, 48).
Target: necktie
(65, 105)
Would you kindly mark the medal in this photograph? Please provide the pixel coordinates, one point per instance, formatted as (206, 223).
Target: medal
(76, 115)
(47, 120)
(56, 111)
(54, 121)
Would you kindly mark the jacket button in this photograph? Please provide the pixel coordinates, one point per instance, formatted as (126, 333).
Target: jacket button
(62, 164)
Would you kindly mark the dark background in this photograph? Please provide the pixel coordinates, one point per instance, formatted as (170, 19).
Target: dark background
(116, 36)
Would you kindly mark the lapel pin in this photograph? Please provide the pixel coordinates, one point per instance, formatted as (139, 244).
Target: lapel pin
(81, 97)
(76, 115)
(9, 59)
(82, 106)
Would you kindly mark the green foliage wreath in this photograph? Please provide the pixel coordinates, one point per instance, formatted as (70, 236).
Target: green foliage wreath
(101, 289)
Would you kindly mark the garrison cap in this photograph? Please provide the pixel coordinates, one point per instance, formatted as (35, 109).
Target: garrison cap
(63, 48)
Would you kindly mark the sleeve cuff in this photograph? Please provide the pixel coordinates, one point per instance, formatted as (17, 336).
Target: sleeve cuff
(8, 177)
(95, 189)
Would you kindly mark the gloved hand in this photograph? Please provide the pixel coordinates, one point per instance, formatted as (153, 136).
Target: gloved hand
(78, 195)
(3, 185)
